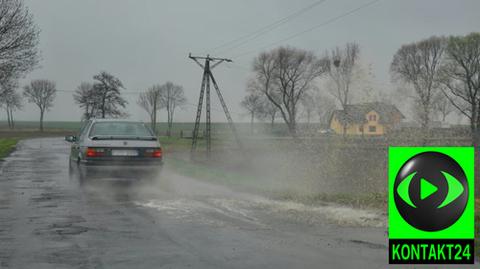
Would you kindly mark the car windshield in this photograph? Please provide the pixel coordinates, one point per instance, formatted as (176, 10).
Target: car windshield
(120, 129)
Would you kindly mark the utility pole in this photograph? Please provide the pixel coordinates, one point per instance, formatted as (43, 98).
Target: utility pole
(205, 91)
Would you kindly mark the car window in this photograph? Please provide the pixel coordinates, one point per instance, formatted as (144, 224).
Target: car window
(81, 132)
(119, 129)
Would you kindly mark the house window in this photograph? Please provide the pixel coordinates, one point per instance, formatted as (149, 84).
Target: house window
(360, 129)
(372, 129)
(372, 117)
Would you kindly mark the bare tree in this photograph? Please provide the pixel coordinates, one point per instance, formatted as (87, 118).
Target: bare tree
(41, 92)
(460, 76)
(18, 40)
(443, 106)
(418, 65)
(171, 97)
(285, 74)
(107, 88)
(88, 99)
(309, 105)
(13, 102)
(5, 86)
(150, 102)
(268, 111)
(342, 63)
(252, 103)
(10, 100)
(325, 106)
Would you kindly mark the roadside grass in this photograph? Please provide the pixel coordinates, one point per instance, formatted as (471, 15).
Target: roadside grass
(174, 143)
(9, 138)
(251, 182)
(200, 171)
(48, 125)
(183, 144)
(32, 133)
(7, 145)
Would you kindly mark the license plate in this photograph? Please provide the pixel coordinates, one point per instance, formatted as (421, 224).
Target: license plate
(123, 152)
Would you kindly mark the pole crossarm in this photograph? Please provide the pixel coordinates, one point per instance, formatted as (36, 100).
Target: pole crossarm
(209, 58)
(216, 61)
(196, 61)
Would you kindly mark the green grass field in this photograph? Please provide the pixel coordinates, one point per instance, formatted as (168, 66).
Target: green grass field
(48, 125)
(278, 128)
(6, 146)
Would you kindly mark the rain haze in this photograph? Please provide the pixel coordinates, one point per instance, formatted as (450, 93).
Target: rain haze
(147, 42)
(239, 134)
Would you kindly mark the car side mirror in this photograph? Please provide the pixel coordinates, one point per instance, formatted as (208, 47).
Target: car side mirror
(70, 138)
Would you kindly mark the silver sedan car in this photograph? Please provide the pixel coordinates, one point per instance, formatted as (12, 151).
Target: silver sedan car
(115, 148)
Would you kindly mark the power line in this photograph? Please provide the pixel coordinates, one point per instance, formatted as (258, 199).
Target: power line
(238, 67)
(329, 21)
(265, 29)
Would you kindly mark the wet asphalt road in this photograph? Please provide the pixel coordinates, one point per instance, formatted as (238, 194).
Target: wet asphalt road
(49, 220)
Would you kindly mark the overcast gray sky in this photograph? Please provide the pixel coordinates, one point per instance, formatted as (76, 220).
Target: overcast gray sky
(144, 42)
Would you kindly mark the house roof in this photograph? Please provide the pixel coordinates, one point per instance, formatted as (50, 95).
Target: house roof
(356, 113)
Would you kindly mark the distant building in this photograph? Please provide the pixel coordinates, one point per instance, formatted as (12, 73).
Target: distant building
(366, 119)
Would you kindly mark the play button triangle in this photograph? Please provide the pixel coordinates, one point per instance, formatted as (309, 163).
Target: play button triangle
(426, 189)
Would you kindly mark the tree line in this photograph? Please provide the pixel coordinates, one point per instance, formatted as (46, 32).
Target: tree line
(438, 75)
(103, 99)
(439, 68)
(168, 96)
(285, 81)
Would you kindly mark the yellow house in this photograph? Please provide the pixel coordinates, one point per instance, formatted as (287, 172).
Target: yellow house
(366, 119)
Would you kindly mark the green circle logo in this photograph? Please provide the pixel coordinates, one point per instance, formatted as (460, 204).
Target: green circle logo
(431, 191)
